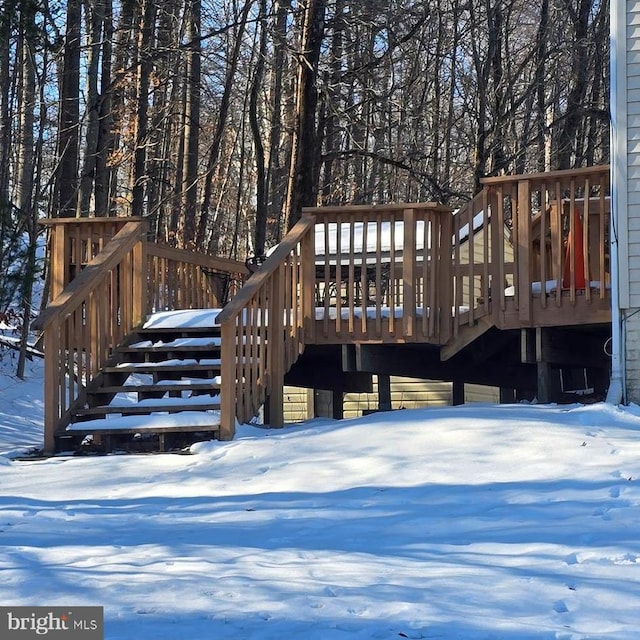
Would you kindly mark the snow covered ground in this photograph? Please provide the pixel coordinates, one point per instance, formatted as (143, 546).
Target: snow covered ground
(477, 522)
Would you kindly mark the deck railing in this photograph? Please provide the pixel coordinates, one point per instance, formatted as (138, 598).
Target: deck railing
(181, 279)
(554, 227)
(105, 279)
(529, 250)
(263, 330)
(91, 316)
(383, 272)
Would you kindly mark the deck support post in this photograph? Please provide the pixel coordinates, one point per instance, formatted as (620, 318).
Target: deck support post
(544, 382)
(384, 392)
(457, 393)
(548, 386)
(507, 396)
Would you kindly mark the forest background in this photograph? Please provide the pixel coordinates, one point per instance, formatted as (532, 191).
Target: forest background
(218, 120)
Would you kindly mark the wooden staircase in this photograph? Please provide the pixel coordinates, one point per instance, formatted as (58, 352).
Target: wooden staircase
(159, 391)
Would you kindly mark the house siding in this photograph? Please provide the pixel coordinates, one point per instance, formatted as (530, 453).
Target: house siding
(632, 340)
(631, 88)
(627, 133)
(406, 393)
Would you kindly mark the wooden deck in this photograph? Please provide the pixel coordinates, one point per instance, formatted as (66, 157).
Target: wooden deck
(502, 278)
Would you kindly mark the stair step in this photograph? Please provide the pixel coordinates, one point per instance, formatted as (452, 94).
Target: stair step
(183, 319)
(178, 344)
(206, 364)
(160, 423)
(167, 385)
(149, 409)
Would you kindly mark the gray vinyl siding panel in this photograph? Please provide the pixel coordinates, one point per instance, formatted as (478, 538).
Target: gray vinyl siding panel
(634, 260)
(633, 172)
(633, 149)
(633, 197)
(632, 89)
(634, 283)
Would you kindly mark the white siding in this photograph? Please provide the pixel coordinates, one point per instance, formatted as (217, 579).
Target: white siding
(631, 273)
(632, 336)
(626, 174)
(629, 86)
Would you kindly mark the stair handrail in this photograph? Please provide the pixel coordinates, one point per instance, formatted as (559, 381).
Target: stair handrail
(103, 303)
(264, 329)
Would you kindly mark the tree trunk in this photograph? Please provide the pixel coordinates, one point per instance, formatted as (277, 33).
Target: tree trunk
(303, 172)
(332, 140)
(5, 126)
(261, 177)
(191, 127)
(25, 173)
(145, 33)
(66, 193)
(278, 153)
(95, 18)
(577, 79)
(214, 151)
(105, 118)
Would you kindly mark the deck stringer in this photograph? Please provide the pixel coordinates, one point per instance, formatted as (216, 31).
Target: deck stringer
(467, 335)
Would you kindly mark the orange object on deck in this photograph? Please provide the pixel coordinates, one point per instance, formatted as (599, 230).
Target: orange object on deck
(578, 262)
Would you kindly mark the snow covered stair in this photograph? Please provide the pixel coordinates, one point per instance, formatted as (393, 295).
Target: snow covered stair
(160, 390)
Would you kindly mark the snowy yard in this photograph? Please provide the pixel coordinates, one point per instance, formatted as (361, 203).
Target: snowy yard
(476, 522)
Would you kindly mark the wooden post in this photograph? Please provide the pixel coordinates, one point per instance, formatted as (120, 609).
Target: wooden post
(445, 284)
(338, 404)
(384, 392)
(59, 259)
(275, 399)
(51, 387)
(457, 393)
(524, 252)
(497, 271)
(507, 396)
(308, 255)
(140, 278)
(228, 391)
(408, 273)
(544, 382)
(545, 378)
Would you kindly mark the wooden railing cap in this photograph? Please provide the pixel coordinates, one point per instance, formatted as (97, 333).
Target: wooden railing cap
(394, 206)
(547, 176)
(48, 222)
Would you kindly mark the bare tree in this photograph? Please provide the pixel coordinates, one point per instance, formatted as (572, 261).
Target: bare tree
(64, 200)
(303, 171)
(191, 124)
